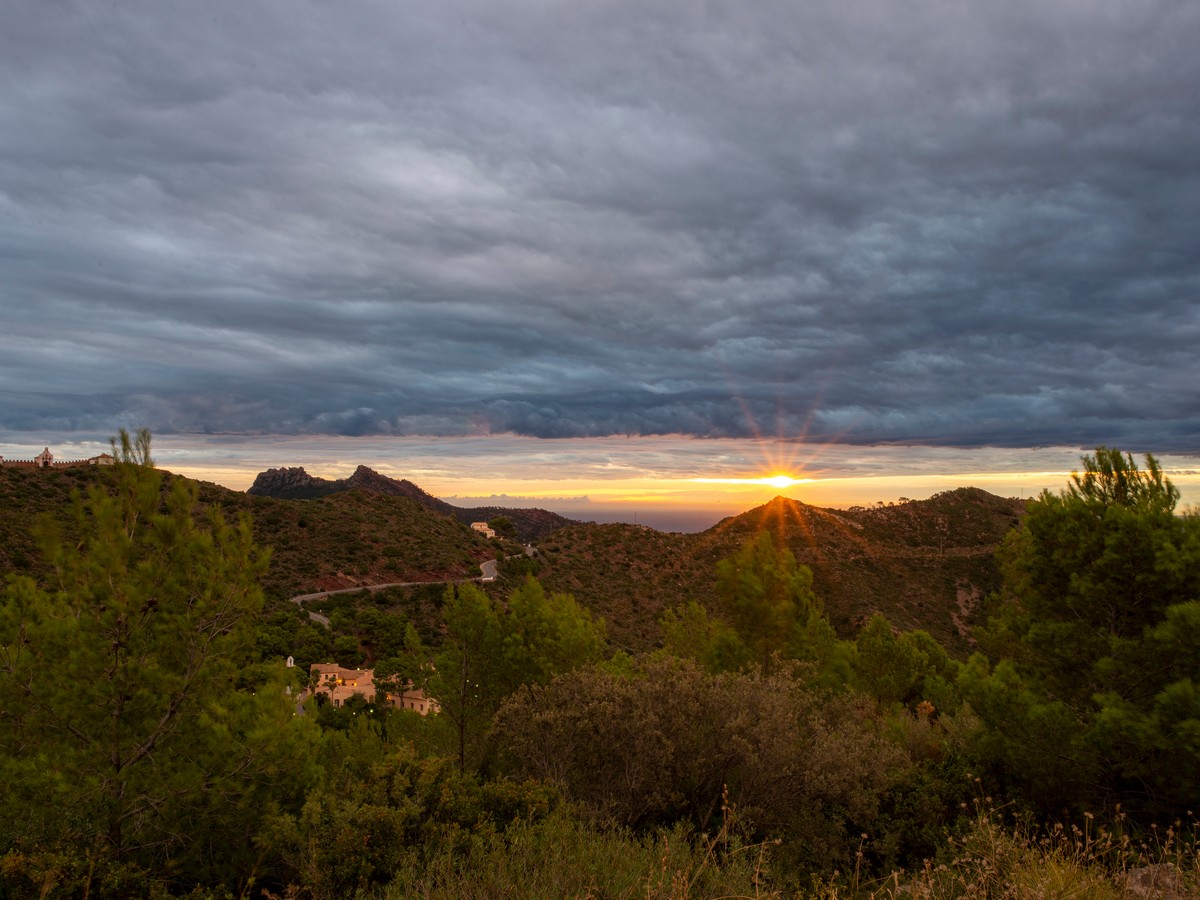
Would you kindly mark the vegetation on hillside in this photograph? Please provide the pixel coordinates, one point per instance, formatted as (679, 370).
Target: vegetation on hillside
(150, 744)
(337, 541)
(925, 564)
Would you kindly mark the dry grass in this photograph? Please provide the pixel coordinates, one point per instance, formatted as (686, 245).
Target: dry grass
(561, 857)
(997, 860)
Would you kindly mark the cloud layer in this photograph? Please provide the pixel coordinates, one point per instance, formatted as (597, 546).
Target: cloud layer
(955, 224)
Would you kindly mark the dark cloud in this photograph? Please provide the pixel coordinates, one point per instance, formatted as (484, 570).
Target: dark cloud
(952, 225)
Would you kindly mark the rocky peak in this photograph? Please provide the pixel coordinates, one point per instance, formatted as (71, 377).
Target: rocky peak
(276, 482)
(368, 479)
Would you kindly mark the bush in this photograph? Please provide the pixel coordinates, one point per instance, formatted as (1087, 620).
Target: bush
(673, 742)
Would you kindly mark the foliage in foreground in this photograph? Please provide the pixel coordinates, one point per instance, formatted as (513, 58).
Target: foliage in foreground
(669, 742)
(1092, 696)
(564, 857)
(560, 857)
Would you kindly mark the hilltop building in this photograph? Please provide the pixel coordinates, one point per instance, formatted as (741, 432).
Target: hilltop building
(45, 460)
(483, 528)
(339, 685)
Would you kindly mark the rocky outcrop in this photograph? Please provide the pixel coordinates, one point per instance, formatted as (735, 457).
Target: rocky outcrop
(291, 484)
(297, 484)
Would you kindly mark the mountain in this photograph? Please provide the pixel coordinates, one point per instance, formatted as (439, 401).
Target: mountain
(296, 484)
(530, 525)
(924, 564)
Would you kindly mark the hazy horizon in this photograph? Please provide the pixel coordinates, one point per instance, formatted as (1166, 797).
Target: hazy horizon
(673, 483)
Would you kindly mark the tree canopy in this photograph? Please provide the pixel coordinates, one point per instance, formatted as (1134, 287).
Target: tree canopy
(1099, 632)
(767, 609)
(492, 649)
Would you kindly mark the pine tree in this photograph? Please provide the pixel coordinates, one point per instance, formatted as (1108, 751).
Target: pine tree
(121, 731)
(769, 600)
(1101, 630)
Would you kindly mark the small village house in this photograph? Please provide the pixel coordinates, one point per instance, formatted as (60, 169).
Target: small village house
(339, 685)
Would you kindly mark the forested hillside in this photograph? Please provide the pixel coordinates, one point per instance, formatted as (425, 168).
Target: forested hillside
(924, 564)
(356, 537)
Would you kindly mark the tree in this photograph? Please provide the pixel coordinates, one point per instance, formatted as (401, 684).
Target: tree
(503, 526)
(466, 679)
(903, 668)
(689, 632)
(119, 722)
(490, 652)
(768, 599)
(545, 635)
(1101, 585)
(1092, 568)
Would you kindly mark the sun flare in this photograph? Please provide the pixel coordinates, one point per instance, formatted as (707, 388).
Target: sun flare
(782, 481)
(775, 481)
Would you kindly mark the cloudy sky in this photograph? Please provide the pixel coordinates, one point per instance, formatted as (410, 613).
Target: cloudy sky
(956, 225)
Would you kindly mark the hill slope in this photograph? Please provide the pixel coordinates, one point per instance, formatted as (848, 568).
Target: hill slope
(352, 537)
(924, 564)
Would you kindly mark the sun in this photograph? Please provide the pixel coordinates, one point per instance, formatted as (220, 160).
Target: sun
(777, 481)
(783, 481)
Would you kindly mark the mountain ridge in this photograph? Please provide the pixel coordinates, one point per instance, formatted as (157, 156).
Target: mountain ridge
(924, 564)
(294, 483)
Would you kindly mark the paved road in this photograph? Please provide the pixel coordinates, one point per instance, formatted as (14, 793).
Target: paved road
(488, 568)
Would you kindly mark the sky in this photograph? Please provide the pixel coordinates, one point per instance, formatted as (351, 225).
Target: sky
(603, 248)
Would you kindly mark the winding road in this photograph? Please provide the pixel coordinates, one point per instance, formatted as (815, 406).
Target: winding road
(488, 568)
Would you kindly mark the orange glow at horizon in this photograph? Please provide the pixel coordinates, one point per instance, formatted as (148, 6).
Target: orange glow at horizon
(586, 478)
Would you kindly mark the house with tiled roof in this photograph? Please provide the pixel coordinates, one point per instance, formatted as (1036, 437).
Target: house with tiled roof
(339, 684)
